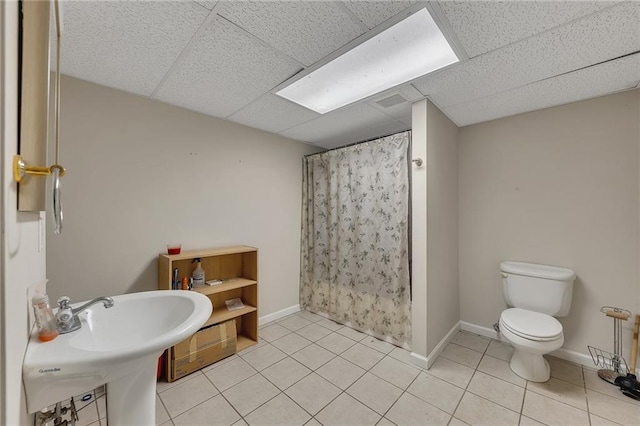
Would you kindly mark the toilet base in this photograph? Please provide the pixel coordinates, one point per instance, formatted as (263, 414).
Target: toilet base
(530, 366)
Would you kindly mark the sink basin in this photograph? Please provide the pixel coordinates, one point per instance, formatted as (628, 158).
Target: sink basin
(118, 346)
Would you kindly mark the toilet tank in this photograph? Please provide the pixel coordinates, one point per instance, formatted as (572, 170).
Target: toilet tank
(540, 288)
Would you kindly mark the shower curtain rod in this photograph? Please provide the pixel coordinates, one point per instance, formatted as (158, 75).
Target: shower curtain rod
(357, 143)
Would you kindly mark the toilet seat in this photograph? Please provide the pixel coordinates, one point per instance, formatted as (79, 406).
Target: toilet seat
(531, 325)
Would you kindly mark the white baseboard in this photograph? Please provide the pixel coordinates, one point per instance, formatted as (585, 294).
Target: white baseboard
(277, 315)
(435, 353)
(480, 330)
(419, 360)
(427, 362)
(562, 353)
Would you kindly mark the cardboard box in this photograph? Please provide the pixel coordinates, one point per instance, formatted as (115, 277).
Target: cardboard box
(207, 346)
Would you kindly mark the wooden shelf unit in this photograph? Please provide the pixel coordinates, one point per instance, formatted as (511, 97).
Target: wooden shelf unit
(237, 266)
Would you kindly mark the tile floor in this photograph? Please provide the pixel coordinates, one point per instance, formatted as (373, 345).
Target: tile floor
(308, 370)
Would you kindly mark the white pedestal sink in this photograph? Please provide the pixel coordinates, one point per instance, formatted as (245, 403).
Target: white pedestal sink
(119, 346)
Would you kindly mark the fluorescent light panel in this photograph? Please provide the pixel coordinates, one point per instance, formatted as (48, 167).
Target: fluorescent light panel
(411, 48)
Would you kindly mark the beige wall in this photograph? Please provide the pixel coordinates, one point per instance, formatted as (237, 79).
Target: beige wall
(557, 186)
(443, 306)
(142, 174)
(21, 259)
(435, 303)
(419, 233)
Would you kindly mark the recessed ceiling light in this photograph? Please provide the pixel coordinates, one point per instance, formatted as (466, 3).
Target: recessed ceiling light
(411, 48)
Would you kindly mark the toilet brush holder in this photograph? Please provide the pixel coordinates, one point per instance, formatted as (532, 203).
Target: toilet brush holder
(613, 365)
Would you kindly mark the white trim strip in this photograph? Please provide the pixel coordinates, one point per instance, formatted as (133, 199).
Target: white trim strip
(277, 315)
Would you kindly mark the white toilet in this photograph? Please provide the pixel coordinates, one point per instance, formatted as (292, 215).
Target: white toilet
(538, 293)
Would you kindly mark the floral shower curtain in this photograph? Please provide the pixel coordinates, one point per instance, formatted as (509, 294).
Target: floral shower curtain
(355, 243)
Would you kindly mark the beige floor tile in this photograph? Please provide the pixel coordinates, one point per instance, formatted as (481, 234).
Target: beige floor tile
(313, 332)
(345, 410)
(261, 343)
(273, 332)
(614, 409)
(401, 354)
(461, 355)
(471, 341)
(561, 391)
(285, 373)
(351, 333)
(88, 414)
(375, 393)
(395, 372)
(163, 386)
(291, 343)
(250, 394)
(385, 422)
(526, 421)
(565, 371)
(230, 374)
(313, 356)
(552, 412)
(214, 411)
(293, 322)
(456, 422)
(101, 403)
(281, 410)
(169, 423)
(451, 372)
(161, 413)
(187, 395)
(362, 356)
(496, 390)
(479, 411)
(410, 410)
(599, 421)
(340, 372)
(331, 325)
(436, 392)
(500, 369)
(240, 422)
(313, 422)
(313, 393)
(377, 344)
(594, 382)
(336, 343)
(309, 316)
(263, 357)
(500, 350)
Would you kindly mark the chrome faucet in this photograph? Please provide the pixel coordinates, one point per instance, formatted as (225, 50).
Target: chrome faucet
(67, 318)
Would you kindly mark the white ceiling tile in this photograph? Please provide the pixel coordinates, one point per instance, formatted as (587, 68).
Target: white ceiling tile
(482, 26)
(584, 84)
(306, 31)
(346, 125)
(224, 70)
(608, 34)
(126, 45)
(273, 114)
(209, 4)
(373, 13)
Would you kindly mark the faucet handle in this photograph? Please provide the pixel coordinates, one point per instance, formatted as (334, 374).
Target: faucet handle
(63, 302)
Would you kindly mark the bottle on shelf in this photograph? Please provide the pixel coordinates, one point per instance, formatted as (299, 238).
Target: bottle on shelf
(198, 274)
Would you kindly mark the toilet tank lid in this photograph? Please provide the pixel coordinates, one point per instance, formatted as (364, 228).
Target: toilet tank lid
(537, 270)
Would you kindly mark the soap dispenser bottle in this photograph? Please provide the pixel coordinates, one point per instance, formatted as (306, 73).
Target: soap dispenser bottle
(198, 274)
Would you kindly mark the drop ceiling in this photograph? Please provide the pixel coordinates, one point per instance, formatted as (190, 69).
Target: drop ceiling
(225, 59)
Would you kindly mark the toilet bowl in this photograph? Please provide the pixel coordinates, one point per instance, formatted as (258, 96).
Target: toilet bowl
(532, 334)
